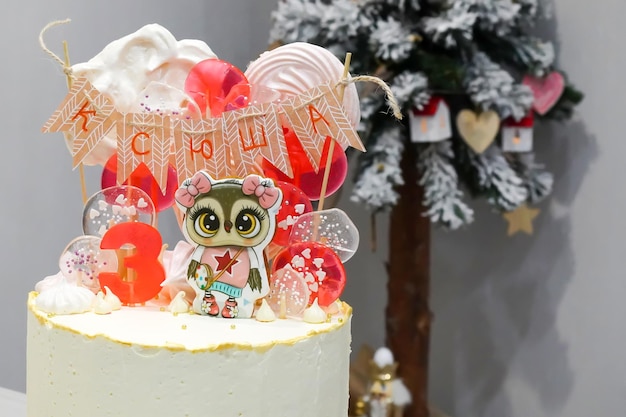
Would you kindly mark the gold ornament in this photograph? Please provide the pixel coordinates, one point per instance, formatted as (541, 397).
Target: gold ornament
(521, 219)
(478, 130)
(376, 391)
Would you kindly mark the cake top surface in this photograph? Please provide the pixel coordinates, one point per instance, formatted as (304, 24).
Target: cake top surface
(152, 327)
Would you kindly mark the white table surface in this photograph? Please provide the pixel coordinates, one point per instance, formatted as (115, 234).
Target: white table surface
(12, 403)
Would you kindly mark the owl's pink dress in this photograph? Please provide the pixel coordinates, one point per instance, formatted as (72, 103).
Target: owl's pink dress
(233, 269)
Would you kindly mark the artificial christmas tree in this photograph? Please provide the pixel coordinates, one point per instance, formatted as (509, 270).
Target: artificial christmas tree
(480, 58)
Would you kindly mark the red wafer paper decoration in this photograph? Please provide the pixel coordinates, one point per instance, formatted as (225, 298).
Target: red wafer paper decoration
(142, 178)
(305, 175)
(316, 115)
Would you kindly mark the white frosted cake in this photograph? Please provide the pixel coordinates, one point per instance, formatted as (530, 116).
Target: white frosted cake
(243, 317)
(142, 361)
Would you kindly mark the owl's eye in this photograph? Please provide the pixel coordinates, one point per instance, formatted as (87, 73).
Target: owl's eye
(248, 223)
(207, 223)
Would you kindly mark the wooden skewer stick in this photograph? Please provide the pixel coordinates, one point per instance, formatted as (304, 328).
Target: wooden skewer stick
(331, 148)
(283, 306)
(81, 169)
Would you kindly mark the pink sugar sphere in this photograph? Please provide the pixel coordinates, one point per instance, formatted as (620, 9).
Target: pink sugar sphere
(318, 265)
(217, 86)
(294, 203)
(290, 283)
(142, 178)
(304, 175)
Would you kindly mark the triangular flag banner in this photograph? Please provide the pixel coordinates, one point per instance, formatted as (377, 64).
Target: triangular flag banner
(260, 131)
(143, 138)
(87, 115)
(251, 132)
(317, 114)
(230, 145)
(196, 142)
(237, 159)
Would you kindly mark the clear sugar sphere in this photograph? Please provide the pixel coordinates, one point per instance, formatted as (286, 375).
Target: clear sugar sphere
(331, 227)
(115, 205)
(82, 261)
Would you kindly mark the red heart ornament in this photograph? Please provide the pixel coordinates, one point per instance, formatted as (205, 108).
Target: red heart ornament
(546, 90)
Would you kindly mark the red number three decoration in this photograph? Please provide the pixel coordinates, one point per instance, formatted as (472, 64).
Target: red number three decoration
(145, 262)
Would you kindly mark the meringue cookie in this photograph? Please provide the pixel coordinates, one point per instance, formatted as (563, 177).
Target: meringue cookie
(139, 65)
(296, 67)
(265, 313)
(314, 314)
(64, 298)
(101, 305)
(49, 282)
(112, 299)
(179, 304)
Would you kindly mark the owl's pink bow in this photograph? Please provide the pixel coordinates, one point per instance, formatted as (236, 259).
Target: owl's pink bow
(268, 195)
(186, 194)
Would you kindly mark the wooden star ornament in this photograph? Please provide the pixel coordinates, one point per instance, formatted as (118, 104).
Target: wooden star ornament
(521, 220)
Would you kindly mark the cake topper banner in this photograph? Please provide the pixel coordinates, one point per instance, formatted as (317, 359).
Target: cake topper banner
(317, 114)
(229, 145)
(143, 138)
(87, 115)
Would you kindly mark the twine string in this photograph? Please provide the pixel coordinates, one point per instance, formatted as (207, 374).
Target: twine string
(391, 99)
(67, 70)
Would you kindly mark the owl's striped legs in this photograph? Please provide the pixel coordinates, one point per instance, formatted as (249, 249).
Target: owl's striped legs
(209, 304)
(230, 310)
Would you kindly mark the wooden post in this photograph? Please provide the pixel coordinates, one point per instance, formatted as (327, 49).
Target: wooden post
(408, 315)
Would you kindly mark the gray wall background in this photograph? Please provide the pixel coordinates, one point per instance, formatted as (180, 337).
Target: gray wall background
(524, 326)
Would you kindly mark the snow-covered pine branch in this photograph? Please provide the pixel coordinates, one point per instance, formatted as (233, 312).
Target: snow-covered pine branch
(496, 16)
(391, 40)
(341, 21)
(533, 53)
(370, 105)
(404, 5)
(410, 89)
(529, 11)
(536, 179)
(296, 21)
(441, 186)
(457, 22)
(380, 173)
(492, 88)
(502, 185)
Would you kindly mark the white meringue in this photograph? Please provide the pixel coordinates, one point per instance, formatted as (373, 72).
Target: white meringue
(294, 68)
(265, 313)
(178, 304)
(64, 298)
(139, 65)
(101, 305)
(112, 299)
(314, 314)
